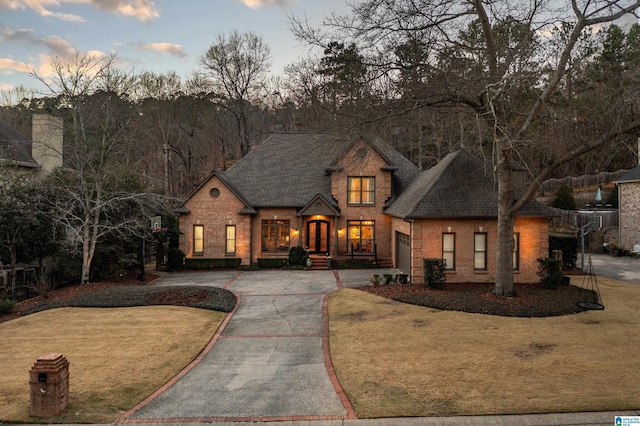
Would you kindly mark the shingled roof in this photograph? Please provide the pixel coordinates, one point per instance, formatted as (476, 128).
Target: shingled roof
(15, 147)
(459, 186)
(288, 170)
(632, 175)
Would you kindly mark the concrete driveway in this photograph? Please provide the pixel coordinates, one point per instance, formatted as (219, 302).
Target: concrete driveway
(270, 362)
(619, 268)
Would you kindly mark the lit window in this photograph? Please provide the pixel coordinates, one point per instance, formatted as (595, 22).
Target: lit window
(275, 235)
(230, 246)
(449, 250)
(516, 251)
(362, 190)
(361, 236)
(198, 239)
(480, 251)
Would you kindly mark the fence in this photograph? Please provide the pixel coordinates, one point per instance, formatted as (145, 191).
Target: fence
(577, 218)
(585, 181)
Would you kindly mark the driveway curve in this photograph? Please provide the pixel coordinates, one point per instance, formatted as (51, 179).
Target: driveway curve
(269, 361)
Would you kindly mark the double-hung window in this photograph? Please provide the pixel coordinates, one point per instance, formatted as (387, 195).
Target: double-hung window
(449, 250)
(198, 239)
(361, 190)
(480, 251)
(230, 239)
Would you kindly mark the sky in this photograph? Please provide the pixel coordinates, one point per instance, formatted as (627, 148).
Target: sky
(146, 35)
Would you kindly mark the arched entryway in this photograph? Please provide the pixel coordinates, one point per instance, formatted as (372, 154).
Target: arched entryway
(318, 236)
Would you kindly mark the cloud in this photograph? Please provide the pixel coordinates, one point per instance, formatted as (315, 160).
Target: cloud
(169, 48)
(143, 10)
(49, 62)
(55, 48)
(10, 65)
(255, 4)
(55, 45)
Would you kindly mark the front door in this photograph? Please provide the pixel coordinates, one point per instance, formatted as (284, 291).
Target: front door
(318, 236)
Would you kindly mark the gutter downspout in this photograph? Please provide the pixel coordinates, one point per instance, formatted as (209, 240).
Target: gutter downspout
(410, 221)
(251, 240)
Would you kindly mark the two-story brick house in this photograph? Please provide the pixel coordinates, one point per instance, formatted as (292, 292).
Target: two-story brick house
(348, 196)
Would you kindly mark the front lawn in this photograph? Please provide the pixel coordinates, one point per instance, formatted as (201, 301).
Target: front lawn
(397, 359)
(117, 356)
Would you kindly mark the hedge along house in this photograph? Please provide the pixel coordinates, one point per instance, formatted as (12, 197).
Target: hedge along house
(354, 196)
(450, 212)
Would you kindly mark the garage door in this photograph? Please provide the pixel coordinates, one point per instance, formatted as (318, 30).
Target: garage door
(403, 252)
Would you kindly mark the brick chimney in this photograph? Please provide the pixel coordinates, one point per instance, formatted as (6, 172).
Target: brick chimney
(47, 141)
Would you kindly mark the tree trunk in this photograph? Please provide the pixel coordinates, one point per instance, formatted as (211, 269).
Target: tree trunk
(12, 261)
(506, 219)
(42, 279)
(86, 260)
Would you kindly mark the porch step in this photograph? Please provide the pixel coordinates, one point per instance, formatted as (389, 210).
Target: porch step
(318, 263)
(385, 263)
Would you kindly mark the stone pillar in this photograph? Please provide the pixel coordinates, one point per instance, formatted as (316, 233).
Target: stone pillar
(49, 385)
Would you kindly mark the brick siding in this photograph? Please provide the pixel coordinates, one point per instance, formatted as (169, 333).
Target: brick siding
(629, 206)
(427, 243)
(214, 214)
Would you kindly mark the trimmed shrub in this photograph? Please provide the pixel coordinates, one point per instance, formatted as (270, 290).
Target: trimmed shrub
(6, 306)
(210, 263)
(297, 256)
(434, 273)
(175, 259)
(389, 278)
(550, 272)
(271, 262)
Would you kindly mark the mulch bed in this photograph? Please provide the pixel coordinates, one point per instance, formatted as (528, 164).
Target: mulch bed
(126, 291)
(531, 300)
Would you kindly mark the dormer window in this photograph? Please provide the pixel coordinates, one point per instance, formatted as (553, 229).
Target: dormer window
(361, 190)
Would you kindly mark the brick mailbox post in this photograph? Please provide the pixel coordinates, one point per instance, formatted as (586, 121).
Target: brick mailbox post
(49, 385)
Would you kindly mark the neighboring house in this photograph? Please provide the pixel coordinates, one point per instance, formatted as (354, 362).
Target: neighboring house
(42, 153)
(15, 148)
(629, 208)
(356, 197)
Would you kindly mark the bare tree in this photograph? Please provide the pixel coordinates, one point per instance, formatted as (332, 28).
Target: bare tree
(501, 61)
(93, 195)
(16, 216)
(236, 66)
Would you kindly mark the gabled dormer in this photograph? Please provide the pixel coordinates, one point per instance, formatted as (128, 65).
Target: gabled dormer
(362, 176)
